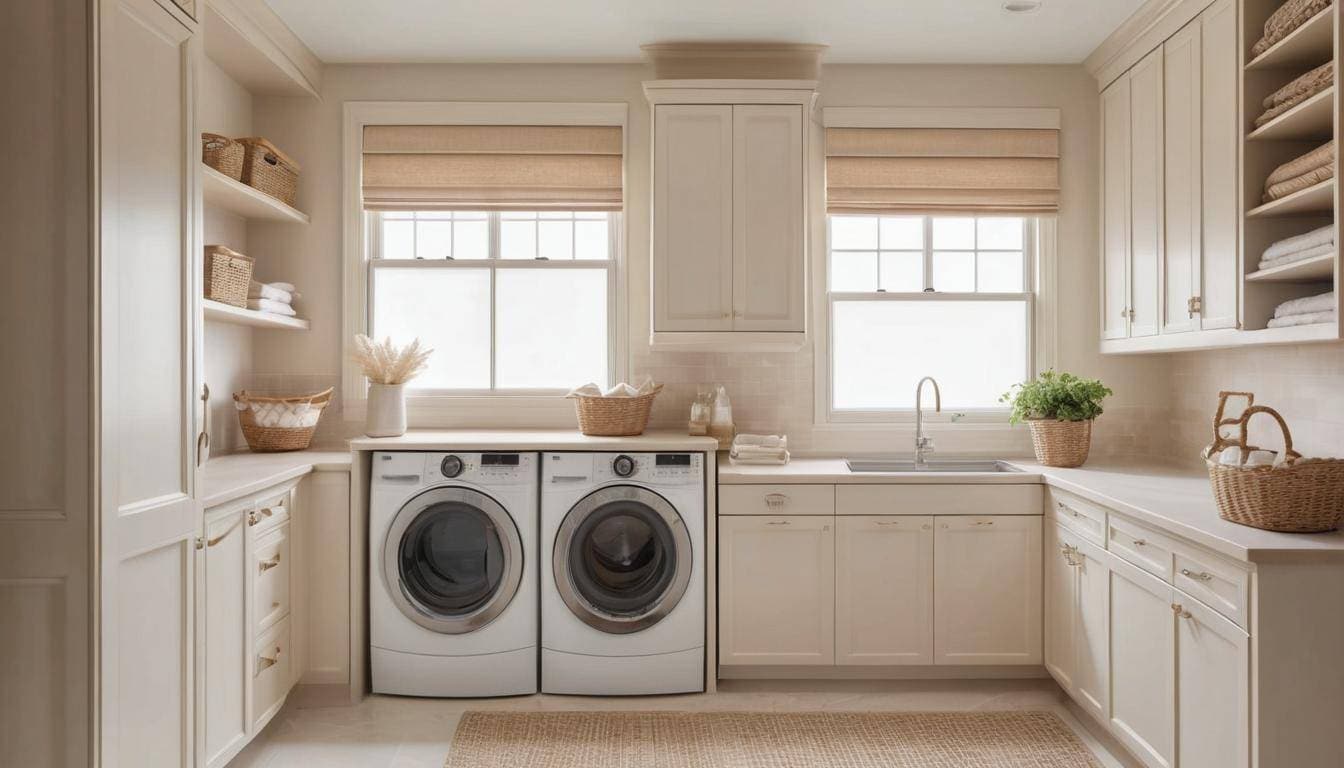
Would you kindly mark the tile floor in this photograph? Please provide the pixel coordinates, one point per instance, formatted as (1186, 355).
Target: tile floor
(396, 732)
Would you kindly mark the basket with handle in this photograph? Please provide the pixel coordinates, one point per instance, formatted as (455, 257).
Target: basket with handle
(269, 170)
(223, 154)
(1295, 494)
(614, 416)
(272, 424)
(227, 275)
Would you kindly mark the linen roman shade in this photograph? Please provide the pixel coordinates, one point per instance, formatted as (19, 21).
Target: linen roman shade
(492, 167)
(942, 170)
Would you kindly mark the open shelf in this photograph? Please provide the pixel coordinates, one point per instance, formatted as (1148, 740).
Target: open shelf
(227, 313)
(1317, 268)
(1310, 45)
(1316, 199)
(235, 196)
(251, 58)
(1312, 119)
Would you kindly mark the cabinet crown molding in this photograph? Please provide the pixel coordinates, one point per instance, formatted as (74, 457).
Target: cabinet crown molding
(1145, 30)
(741, 60)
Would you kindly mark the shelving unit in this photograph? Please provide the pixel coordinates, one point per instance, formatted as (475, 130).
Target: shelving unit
(1312, 119)
(1319, 199)
(1308, 46)
(236, 197)
(1319, 268)
(227, 313)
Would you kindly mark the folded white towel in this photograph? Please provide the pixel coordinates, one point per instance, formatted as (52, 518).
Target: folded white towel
(268, 291)
(1316, 237)
(274, 307)
(775, 460)
(1231, 456)
(618, 390)
(1292, 258)
(774, 442)
(1321, 303)
(1310, 318)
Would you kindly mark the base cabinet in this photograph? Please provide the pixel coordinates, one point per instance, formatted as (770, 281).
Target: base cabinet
(884, 590)
(1213, 688)
(987, 590)
(1077, 619)
(1143, 656)
(225, 640)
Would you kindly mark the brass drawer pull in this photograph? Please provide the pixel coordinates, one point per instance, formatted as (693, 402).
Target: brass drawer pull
(266, 662)
(1180, 611)
(776, 500)
(212, 542)
(1066, 508)
(267, 565)
(1201, 576)
(778, 522)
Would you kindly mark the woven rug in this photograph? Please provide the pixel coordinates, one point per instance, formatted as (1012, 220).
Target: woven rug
(766, 740)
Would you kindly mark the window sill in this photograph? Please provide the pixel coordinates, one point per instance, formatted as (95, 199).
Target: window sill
(485, 412)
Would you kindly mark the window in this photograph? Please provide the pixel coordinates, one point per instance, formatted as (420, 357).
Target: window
(514, 301)
(915, 296)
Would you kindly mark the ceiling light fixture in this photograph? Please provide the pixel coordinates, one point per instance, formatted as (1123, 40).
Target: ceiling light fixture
(1022, 6)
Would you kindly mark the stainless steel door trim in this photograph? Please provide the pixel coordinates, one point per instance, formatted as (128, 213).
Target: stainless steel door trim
(666, 602)
(510, 542)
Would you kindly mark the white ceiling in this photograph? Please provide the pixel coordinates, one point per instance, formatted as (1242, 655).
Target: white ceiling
(918, 31)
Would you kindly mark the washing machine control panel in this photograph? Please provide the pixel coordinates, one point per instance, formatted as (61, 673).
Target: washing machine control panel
(649, 468)
(416, 468)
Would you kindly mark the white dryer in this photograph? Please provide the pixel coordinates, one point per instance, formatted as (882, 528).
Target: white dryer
(452, 573)
(623, 573)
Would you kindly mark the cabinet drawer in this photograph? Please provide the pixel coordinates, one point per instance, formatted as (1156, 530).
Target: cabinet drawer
(1220, 584)
(1140, 545)
(1080, 516)
(272, 674)
(271, 512)
(270, 573)
(776, 500)
(938, 499)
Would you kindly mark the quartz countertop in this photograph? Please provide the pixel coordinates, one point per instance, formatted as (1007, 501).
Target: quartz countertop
(232, 476)
(532, 439)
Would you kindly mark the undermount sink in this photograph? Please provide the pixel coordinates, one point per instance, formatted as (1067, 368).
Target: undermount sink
(908, 465)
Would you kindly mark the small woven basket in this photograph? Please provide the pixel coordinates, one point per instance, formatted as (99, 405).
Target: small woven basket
(223, 154)
(614, 416)
(273, 424)
(269, 170)
(227, 275)
(1294, 495)
(1061, 443)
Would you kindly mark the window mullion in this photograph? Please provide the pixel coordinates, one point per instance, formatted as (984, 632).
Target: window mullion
(928, 253)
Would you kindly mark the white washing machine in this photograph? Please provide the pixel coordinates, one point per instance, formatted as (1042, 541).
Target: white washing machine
(623, 573)
(452, 573)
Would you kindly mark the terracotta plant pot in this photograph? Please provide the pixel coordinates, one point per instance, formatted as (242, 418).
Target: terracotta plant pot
(1061, 443)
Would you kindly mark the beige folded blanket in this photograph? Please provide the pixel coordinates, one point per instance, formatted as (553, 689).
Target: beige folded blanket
(1296, 92)
(1284, 21)
(1299, 183)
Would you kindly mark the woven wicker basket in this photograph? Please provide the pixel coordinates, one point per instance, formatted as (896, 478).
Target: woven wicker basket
(227, 275)
(269, 170)
(223, 154)
(252, 412)
(1297, 495)
(615, 416)
(1061, 443)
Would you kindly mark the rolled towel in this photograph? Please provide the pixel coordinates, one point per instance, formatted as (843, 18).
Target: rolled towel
(274, 307)
(1324, 302)
(1293, 258)
(1319, 157)
(1310, 318)
(587, 390)
(1320, 236)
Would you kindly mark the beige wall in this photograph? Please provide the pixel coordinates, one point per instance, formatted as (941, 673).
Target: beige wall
(771, 391)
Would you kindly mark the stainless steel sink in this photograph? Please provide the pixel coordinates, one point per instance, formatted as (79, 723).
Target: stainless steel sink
(908, 465)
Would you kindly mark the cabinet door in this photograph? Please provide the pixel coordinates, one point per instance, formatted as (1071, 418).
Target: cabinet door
(776, 590)
(1217, 282)
(1213, 689)
(884, 590)
(226, 639)
(692, 217)
(1115, 189)
(768, 211)
(1091, 680)
(324, 543)
(1182, 171)
(987, 590)
(1145, 217)
(1143, 656)
(1061, 601)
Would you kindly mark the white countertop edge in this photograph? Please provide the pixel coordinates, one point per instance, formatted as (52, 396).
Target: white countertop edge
(233, 476)
(533, 440)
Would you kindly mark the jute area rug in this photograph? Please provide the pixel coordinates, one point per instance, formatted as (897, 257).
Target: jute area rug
(766, 740)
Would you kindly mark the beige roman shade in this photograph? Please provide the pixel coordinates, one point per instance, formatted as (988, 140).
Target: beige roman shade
(942, 170)
(492, 167)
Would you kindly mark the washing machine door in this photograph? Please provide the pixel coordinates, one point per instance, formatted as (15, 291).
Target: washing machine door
(622, 559)
(452, 560)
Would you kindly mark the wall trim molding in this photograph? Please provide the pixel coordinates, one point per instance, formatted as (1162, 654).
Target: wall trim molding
(1142, 32)
(941, 117)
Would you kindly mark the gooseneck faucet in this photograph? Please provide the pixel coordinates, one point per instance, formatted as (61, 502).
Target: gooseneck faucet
(924, 444)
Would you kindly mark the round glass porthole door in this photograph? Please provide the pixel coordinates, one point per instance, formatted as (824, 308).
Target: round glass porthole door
(452, 560)
(622, 559)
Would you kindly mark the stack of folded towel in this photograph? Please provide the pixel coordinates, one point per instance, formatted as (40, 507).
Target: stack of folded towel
(276, 298)
(1283, 22)
(760, 449)
(1317, 242)
(1296, 92)
(1307, 311)
(1308, 170)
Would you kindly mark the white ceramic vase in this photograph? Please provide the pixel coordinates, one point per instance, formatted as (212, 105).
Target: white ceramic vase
(386, 416)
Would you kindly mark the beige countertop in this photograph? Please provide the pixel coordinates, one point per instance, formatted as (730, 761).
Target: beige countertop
(1178, 500)
(228, 477)
(535, 440)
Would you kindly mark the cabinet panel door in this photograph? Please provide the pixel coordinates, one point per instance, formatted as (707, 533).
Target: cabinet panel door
(1115, 189)
(1181, 168)
(226, 639)
(1213, 689)
(1218, 284)
(1143, 657)
(776, 590)
(1061, 600)
(325, 546)
(987, 590)
(1145, 194)
(884, 590)
(1091, 681)
(693, 217)
(768, 209)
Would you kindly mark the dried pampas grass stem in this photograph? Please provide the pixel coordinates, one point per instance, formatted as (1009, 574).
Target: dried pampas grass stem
(385, 363)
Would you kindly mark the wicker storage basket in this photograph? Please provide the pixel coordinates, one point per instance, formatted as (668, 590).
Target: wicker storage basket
(1061, 443)
(223, 154)
(227, 275)
(1296, 495)
(269, 170)
(272, 424)
(615, 416)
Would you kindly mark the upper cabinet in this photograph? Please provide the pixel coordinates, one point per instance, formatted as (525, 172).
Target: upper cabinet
(729, 211)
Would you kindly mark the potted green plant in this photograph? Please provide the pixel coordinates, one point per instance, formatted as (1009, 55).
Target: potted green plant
(1059, 409)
